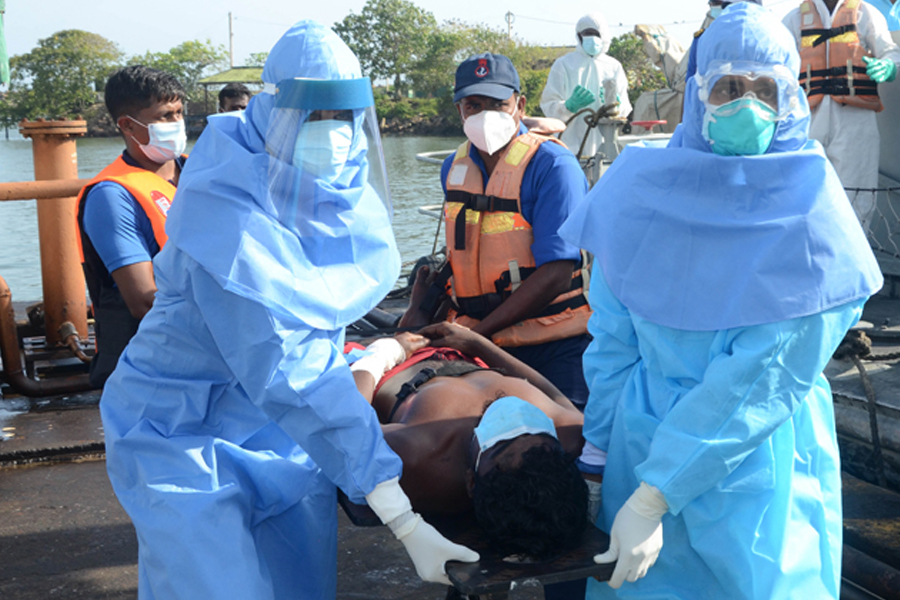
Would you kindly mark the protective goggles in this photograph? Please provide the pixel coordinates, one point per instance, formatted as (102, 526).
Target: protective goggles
(725, 82)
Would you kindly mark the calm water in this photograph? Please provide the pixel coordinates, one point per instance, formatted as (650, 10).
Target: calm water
(412, 183)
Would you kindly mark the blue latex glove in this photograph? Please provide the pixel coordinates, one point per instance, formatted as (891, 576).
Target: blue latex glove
(580, 98)
(880, 70)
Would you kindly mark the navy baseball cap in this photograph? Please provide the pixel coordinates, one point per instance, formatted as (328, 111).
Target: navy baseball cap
(491, 75)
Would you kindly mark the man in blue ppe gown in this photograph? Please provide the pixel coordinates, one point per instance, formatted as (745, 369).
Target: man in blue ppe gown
(728, 269)
(232, 414)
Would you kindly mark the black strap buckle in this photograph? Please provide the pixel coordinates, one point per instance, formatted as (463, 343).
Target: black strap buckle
(481, 203)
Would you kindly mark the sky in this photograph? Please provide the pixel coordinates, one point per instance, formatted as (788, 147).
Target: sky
(256, 25)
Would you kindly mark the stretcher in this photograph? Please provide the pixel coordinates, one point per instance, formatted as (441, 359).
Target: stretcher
(493, 577)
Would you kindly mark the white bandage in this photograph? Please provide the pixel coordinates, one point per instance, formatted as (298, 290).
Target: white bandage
(386, 354)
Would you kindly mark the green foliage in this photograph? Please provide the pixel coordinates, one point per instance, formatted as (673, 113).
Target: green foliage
(389, 106)
(61, 77)
(388, 37)
(642, 74)
(454, 41)
(533, 83)
(189, 62)
(395, 41)
(256, 59)
(446, 47)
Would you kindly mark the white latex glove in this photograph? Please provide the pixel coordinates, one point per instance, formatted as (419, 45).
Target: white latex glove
(427, 548)
(636, 537)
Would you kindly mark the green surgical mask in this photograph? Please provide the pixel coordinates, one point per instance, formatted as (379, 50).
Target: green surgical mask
(743, 127)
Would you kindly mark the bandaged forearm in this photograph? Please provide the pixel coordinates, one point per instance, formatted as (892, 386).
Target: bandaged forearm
(386, 354)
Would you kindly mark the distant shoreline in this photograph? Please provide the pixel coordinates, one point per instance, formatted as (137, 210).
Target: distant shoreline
(99, 125)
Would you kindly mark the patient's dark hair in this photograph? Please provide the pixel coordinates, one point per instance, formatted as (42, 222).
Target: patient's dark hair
(136, 87)
(539, 509)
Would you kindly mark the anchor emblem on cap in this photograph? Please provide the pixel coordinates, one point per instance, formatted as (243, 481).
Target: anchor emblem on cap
(482, 69)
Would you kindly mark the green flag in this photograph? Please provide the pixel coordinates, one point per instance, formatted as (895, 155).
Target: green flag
(4, 57)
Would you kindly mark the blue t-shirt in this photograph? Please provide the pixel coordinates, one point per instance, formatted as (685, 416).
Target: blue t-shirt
(117, 225)
(553, 184)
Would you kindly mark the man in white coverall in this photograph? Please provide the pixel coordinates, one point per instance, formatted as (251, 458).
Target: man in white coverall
(576, 82)
(828, 34)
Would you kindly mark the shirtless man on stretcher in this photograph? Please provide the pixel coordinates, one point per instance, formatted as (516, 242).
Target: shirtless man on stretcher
(431, 390)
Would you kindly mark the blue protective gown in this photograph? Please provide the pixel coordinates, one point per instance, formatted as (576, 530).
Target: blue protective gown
(232, 414)
(721, 288)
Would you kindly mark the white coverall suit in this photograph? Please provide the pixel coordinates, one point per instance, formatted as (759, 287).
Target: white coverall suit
(849, 133)
(579, 68)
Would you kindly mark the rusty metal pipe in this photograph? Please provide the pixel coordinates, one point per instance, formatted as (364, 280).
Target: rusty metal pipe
(69, 335)
(56, 157)
(870, 574)
(41, 190)
(12, 358)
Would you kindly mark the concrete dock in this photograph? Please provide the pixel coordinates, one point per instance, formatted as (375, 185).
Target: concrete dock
(64, 535)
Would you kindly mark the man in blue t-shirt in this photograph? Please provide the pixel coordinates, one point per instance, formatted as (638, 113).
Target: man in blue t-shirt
(122, 211)
(491, 107)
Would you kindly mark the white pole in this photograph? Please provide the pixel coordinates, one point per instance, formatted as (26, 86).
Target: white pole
(230, 41)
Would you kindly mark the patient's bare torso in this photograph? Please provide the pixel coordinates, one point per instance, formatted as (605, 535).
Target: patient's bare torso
(431, 429)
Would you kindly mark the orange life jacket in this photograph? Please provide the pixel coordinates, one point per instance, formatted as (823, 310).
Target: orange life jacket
(114, 325)
(489, 247)
(831, 59)
(152, 192)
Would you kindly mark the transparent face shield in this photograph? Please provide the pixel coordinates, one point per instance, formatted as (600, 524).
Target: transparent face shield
(325, 155)
(727, 87)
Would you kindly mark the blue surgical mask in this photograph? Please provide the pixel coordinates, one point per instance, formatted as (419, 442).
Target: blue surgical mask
(508, 418)
(322, 148)
(592, 44)
(743, 127)
(167, 140)
(715, 11)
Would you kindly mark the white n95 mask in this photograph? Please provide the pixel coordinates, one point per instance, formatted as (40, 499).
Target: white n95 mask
(167, 140)
(322, 148)
(490, 130)
(508, 418)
